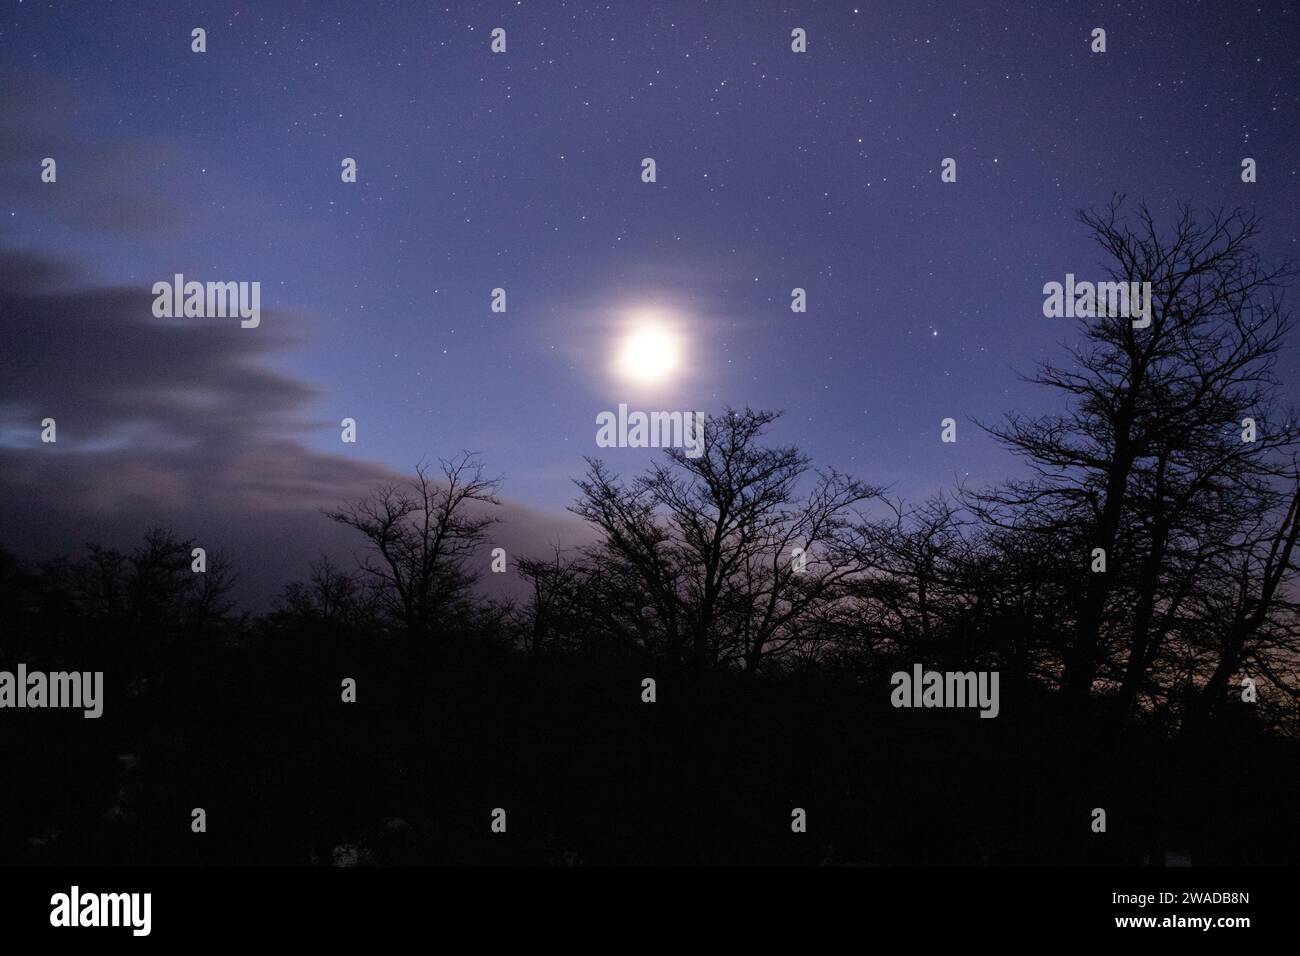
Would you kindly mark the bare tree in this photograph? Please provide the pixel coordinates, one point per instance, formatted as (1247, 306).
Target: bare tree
(1249, 620)
(1148, 463)
(559, 609)
(721, 549)
(331, 596)
(912, 554)
(421, 535)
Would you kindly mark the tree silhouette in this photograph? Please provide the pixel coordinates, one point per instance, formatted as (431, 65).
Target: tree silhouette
(421, 535)
(1148, 462)
(709, 543)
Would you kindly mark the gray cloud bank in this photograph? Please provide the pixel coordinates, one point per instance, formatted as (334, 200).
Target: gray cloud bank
(180, 423)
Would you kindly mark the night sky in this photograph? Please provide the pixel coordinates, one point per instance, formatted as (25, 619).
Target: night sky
(522, 170)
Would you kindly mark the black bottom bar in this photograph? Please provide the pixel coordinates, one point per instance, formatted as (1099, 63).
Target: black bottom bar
(447, 905)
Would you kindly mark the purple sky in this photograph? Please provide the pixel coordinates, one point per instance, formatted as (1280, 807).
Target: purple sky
(522, 171)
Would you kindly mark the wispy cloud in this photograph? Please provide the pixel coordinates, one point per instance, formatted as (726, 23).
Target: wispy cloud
(181, 423)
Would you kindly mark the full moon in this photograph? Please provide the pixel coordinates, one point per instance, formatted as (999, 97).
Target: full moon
(650, 352)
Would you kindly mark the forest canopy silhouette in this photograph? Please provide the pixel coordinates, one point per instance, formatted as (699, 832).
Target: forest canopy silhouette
(1134, 589)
